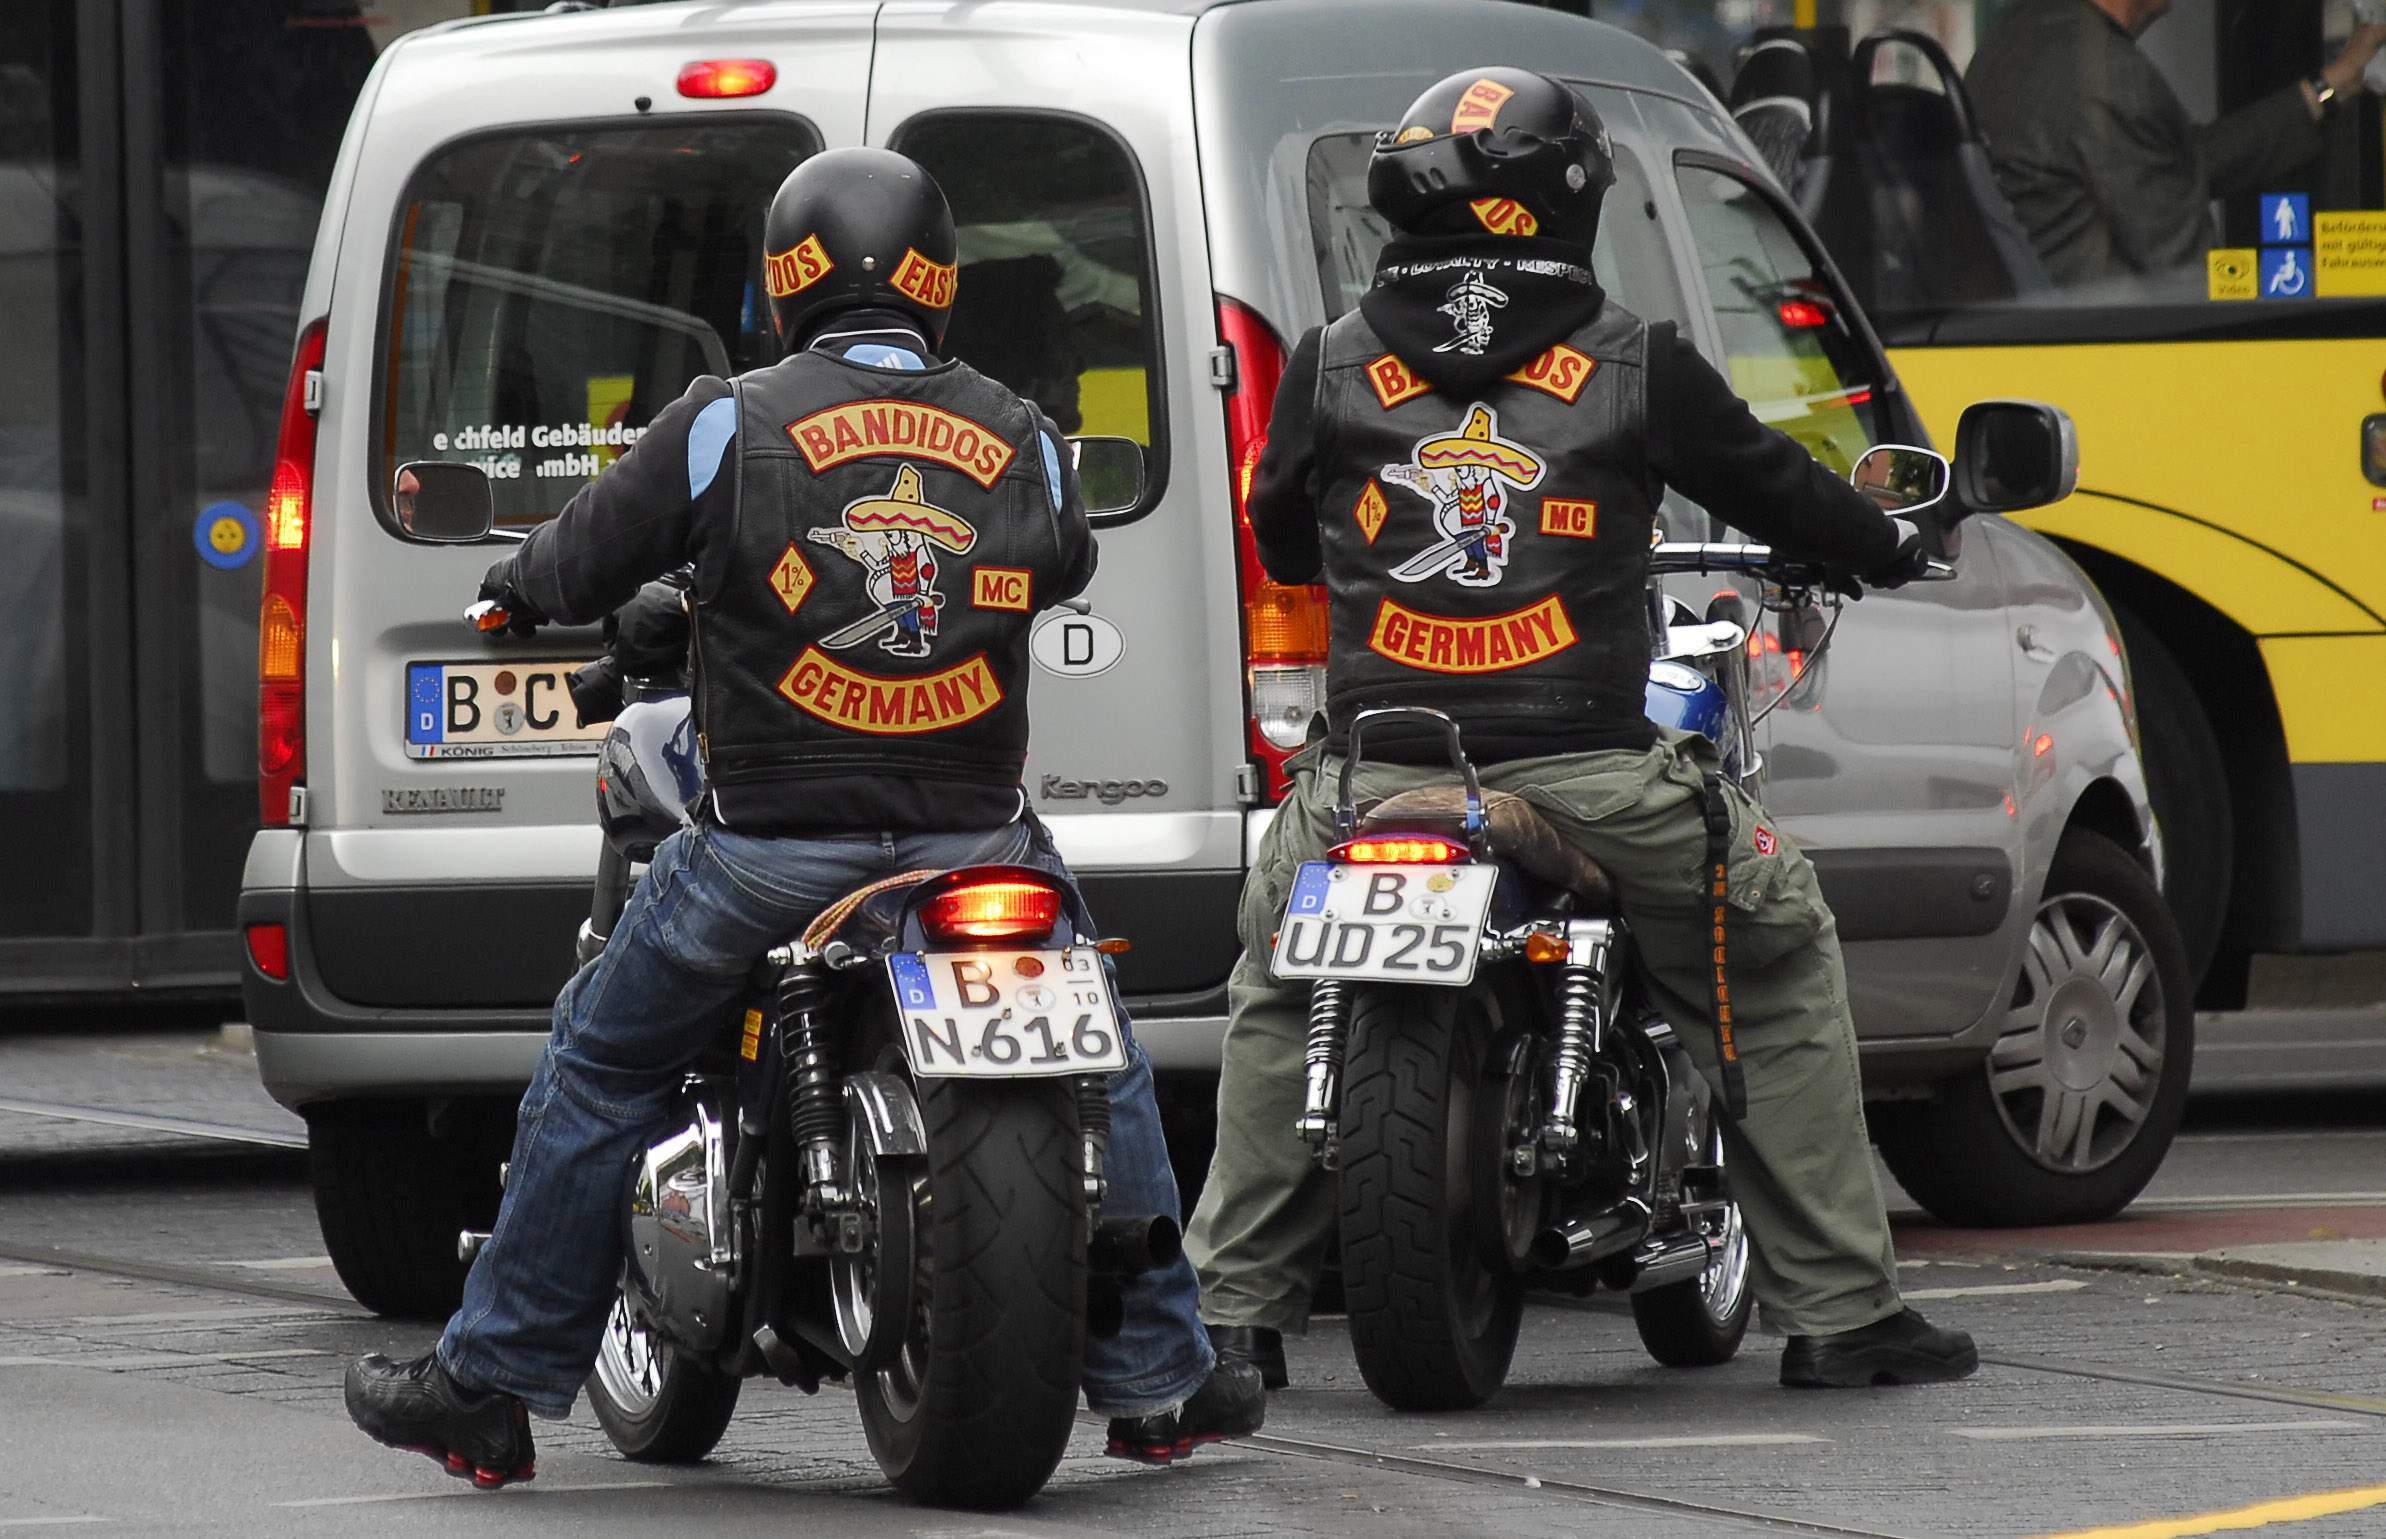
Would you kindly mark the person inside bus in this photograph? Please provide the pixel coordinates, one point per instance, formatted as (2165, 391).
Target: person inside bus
(2102, 164)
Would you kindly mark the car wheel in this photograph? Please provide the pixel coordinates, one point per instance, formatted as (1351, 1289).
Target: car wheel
(2075, 1106)
(2189, 788)
(395, 1182)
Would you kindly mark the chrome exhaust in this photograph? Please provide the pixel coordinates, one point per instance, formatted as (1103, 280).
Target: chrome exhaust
(1578, 1242)
(1669, 1261)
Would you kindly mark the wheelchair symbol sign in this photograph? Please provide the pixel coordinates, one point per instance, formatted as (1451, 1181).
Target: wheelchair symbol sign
(2286, 272)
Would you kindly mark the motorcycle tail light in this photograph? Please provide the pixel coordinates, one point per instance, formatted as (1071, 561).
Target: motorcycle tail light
(269, 948)
(1398, 852)
(992, 911)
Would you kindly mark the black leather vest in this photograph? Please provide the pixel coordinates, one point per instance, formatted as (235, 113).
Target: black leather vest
(866, 644)
(1488, 556)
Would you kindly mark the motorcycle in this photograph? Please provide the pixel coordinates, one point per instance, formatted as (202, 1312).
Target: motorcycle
(886, 1168)
(1486, 1070)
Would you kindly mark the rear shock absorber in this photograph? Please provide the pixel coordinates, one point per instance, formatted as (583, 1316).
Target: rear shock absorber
(1093, 1125)
(1329, 1017)
(1571, 1064)
(815, 1101)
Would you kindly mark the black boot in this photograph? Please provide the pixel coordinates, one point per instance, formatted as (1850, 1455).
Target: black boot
(1903, 1349)
(483, 1437)
(1254, 1344)
(1230, 1403)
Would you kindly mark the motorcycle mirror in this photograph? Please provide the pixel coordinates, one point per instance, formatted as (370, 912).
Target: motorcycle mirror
(2011, 455)
(1900, 478)
(441, 502)
(1110, 471)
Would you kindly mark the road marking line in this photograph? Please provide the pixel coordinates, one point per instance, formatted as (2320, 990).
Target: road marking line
(180, 1316)
(1985, 1290)
(160, 1359)
(147, 1122)
(33, 1271)
(534, 1488)
(285, 1263)
(1714, 1440)
(2156, 1429)
(2292, 1509)
(2260, 1200)
(48, 1522)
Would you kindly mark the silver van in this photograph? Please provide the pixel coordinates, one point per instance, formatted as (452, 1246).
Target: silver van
(541, 227)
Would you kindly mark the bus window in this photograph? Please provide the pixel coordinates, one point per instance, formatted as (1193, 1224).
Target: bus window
(1787, 349)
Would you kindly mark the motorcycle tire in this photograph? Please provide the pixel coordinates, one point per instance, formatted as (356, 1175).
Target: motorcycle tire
(1432, 1322)
(2103, 1010)
(979, 1408)
(1698, 1322)
(657, 1404)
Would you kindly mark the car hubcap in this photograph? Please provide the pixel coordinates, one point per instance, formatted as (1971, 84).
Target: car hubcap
(2075, 1070)
(630, 1364)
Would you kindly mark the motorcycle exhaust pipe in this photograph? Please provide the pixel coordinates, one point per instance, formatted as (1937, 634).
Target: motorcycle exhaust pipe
(1579, 1242)
(1129, 1247)
(1670, 1261)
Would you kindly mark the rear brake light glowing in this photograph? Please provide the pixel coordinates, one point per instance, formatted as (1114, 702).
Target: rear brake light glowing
(1803, 313)
(727, 77)
(269, 948)
(282, 614)
(1399, 852)
(992, 911)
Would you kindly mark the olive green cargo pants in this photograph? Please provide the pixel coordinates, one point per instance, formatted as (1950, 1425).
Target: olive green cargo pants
(1800, 1161)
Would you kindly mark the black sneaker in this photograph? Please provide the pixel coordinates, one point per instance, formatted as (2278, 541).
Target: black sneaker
(1254, 1344)
(1903, 1349)
(1230, 1403)
(482, 1437)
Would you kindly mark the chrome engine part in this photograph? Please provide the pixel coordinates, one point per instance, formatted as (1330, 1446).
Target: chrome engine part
(683, 1236)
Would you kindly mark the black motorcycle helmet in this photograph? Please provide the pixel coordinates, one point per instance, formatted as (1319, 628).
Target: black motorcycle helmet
(1503, 150)
(855, 229)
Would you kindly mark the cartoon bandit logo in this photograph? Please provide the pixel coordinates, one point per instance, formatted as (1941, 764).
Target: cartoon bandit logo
(894, 538)
(1466, 475)
(1469, 305)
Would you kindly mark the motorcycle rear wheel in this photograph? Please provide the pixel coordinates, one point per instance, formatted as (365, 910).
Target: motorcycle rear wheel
(656, 1403)
(1432, 1322)
(1698, 1322)
(978, 1408)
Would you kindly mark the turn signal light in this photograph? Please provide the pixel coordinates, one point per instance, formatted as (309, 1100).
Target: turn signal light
(982, 911)
(269, 948)
(1544, 948)
(1399, 852)
(727, 77)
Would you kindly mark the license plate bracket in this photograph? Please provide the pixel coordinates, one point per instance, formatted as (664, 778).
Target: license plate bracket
(1390, 924)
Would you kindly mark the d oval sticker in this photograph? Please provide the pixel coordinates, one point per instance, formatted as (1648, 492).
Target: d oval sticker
(1077, 646)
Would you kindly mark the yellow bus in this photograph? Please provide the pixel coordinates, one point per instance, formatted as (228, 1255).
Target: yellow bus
(2023, 213)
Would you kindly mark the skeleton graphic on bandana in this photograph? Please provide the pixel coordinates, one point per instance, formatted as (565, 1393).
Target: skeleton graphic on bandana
(1467, 476)
(1469, 306)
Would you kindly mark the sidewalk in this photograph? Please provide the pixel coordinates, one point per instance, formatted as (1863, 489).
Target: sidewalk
(2337, 1250)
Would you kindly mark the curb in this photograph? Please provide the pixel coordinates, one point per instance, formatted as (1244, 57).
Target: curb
(2220, 1266)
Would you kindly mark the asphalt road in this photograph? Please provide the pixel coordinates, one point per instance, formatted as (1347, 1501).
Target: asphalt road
(176, 1370)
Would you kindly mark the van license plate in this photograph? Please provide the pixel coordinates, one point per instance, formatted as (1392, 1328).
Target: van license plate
(1006, 1014)
(494, 711)
(1394, 924)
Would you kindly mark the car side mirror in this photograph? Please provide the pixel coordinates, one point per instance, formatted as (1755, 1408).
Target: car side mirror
(1900, 478)
(1110, 473)
(2011, 455)
(441, 502)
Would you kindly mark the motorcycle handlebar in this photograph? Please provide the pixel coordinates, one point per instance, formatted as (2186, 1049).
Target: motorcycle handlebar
(1718, 556)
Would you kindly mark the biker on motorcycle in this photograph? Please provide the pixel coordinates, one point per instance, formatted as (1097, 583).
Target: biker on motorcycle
(860, 476)
(1471, 463)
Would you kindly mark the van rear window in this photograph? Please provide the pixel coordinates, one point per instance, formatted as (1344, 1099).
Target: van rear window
(552, 289)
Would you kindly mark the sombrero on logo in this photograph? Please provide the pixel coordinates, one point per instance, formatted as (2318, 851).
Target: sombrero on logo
(1477, 442)
(903, 509)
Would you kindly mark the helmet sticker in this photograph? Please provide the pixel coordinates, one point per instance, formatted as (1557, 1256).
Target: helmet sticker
(890, 537)
(1469, 305)
(1479, 106)
(928, 281)
(1413, 134)
(1466, 476)
(1505, 216)
(901, 430)
(796, 269)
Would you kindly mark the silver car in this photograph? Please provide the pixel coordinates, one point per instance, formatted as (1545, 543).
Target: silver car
(542, 226)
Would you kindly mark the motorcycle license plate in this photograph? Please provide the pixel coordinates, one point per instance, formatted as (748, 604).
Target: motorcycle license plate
(494, 711)
(1006, 1014)
(1396, 924)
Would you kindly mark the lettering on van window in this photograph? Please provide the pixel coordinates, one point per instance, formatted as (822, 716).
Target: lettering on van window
(590, 446)
(906, 429)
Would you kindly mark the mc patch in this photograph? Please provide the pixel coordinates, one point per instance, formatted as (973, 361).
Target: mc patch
(1505, 216)
(797, 268)
(1765, 842)
(1001, 587)
(1575, 519)
(1370, 510)
(924, 279)
(792, 578)
(1393, 382)
(902, 429)
(1451, 644)
(867, 702)
(1561, 372)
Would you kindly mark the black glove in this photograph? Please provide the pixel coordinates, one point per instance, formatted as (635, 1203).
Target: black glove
(523, 618)
(1910, 561)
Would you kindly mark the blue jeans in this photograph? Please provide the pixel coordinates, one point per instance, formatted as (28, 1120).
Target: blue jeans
(632, 1021)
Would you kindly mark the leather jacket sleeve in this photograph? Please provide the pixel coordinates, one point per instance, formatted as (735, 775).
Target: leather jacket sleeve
(1283, 502)
(1073, 536)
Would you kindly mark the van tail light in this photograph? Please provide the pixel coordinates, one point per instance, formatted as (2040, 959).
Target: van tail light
(727, 77)
(269, 948)
(1411, 850)
(1284, 626)
(992, 911)
(282, 618)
